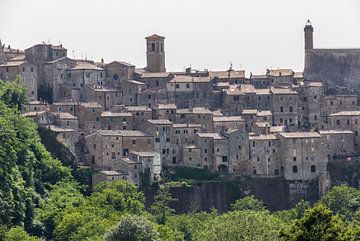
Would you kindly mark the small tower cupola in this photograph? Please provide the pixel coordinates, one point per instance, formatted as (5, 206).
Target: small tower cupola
(155, 53)
(308, 33)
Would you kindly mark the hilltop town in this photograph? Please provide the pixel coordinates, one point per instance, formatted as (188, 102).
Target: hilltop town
(120, 119)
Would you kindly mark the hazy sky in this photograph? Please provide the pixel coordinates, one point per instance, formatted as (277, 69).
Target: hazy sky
(252, 34)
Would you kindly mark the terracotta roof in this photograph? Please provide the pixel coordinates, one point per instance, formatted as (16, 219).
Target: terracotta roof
(227, 74)
(346, 113)
(155, 75)
(262, 137)
(120, 133)
(165, 106)
(65, 115)
(160, 121)
(300, 135)
(155, 36)
(138, 108)
(215, 136)
(189, 79)
(86, 66)
(330, 132)
(115, 114)
(281, 72)
(90, 104)
(227, 118)
(13, 63)
(121, 63)
(282, 91)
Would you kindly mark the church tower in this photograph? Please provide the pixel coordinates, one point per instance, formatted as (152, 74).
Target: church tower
(308, 33)
(155, 53)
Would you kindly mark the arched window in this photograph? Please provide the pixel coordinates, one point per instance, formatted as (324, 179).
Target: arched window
(313, 168)
(295, 169)
(276, 172)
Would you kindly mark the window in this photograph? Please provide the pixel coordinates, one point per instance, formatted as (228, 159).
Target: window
(157, 139)
(153, 47)
(305, 99)
(315, 97)
(236, 98)
(177, 86)
(276, 172)
(281, 109)
(93, 160)
(331, 103)
(112, 155)
(338, 122)
(313, 168)
(23, 69)
(294, 159)
(290, 109)
(253, 144)
(115, 77)
(295, 169)
(94, 146)
(97, 118)
(32, 70)
(134, 142)
(187, 86)
(347, 122)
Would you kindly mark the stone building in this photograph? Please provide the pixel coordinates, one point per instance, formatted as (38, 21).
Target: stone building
(89, 116)
(339, 143)
(165, 111)
(222, 124)
(188, 91)
(302, 156)
(182, 135)
(140, 116)
(311, 100)
(54, 74)
(27, 73)
(130, 91)
(284, 107)
(117, 72)
(230, 76)
(155, 53)
(346, 120)
(71, 107)
(264, 155)
(160, 129)
(40, 54)
(107, 97)
(116, 120)
(280, 77)
(107, 147)
(150, 161)
(339, 69)
(107, 176)
(66, 120)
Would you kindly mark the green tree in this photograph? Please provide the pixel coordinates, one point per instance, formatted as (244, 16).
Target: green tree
(133, 228)
(343, 200)
(352, 231)
(297, 212)
(160, 208)
(318, 224)
(63, 197)
(190, 224)
(248, 203)
(13, 94)
(19, 234)
(120, 194)
(241, 225)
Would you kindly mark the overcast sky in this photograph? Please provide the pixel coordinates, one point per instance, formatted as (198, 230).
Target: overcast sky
(252, 34)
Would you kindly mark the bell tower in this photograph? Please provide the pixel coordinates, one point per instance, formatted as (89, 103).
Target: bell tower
(155, 53)
(308, 33)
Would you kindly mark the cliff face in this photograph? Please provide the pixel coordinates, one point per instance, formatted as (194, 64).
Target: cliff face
(339, 69)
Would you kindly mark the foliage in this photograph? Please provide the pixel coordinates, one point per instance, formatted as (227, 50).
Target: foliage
(297, 212)
(318, 223)
(27, 170)
(19, 234)
(64, 196)
(343, 200)
(248, 203)
(160, 208)
(68, 215)
(13, 94)
(190, 224)
(133, 228)
(241, 225)
(168, 234)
